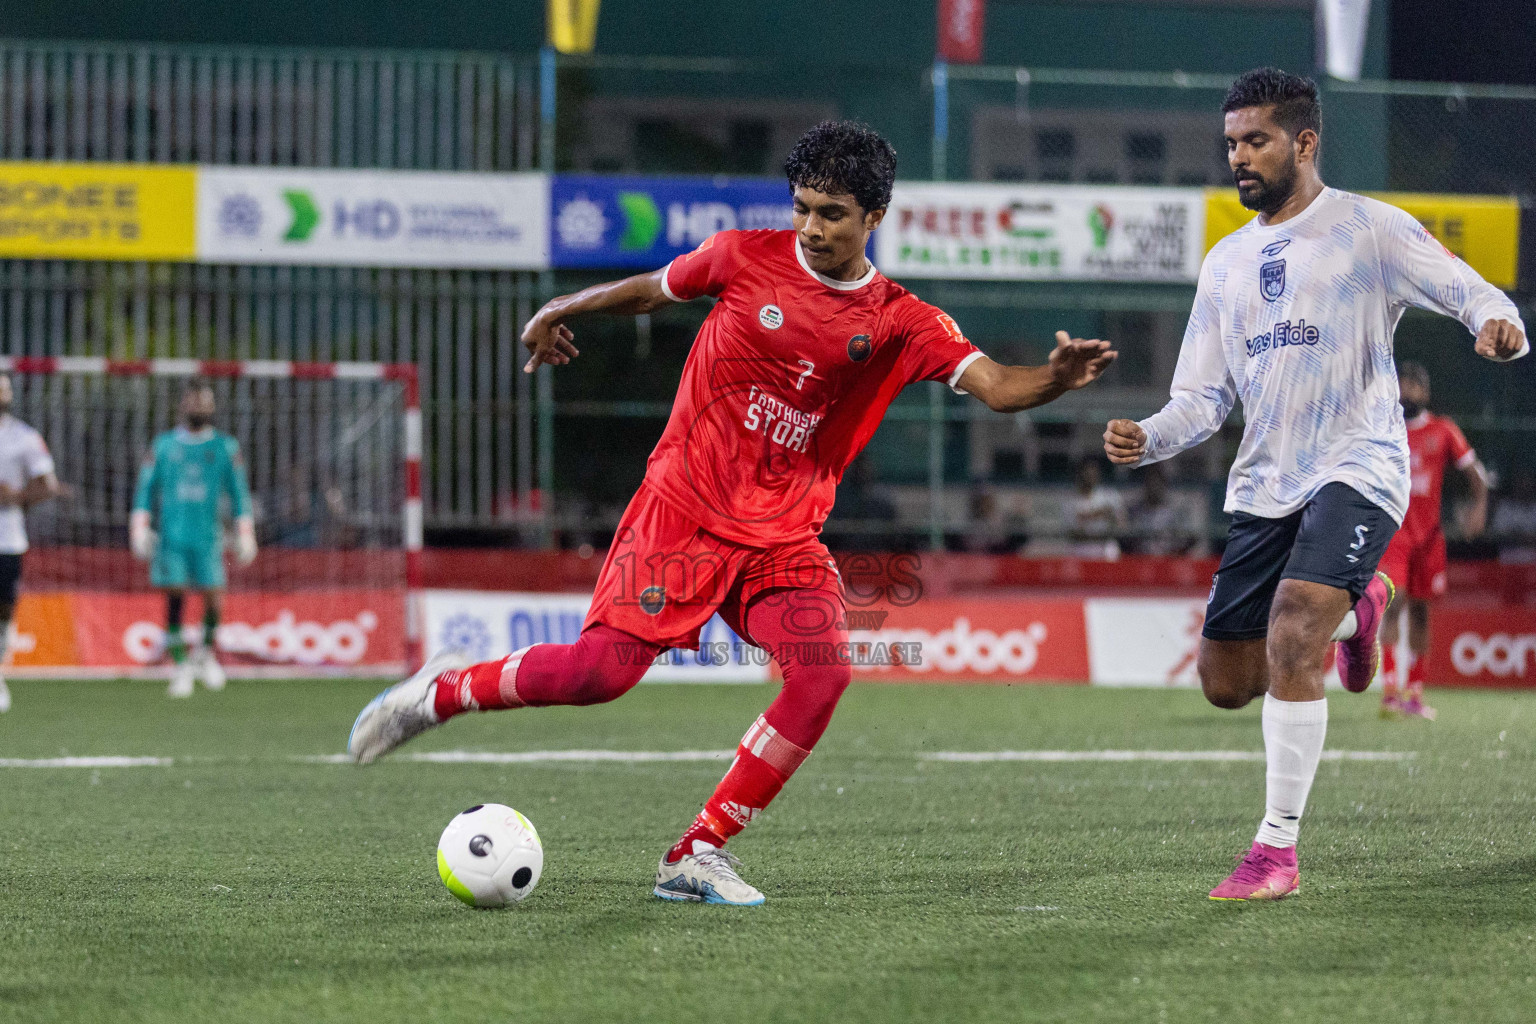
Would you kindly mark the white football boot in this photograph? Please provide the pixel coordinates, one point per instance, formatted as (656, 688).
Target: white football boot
(707, 875)
(400, 712)
(182, 679)
(209, 670)
(5, 696)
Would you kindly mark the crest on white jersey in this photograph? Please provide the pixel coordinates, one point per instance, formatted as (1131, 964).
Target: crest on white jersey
(1272, 280)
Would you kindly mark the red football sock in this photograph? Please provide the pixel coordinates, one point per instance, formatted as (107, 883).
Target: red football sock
(1415, 686)
(764, 762)
(603, 664)
(1389, 670)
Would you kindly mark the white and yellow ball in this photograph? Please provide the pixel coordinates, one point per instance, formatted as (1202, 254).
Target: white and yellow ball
(490, 856)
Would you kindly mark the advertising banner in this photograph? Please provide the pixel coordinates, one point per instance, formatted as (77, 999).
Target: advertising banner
(1473, 647)
(334, 632)
(485, 624)
(372, 218)
(603, 220)
(1482, 230)
(96, 211)
(1149, 641)
(1042, 233)
(971, 640)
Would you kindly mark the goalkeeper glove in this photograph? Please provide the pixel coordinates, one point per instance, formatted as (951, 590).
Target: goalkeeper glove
(245, 540)
(141, 539)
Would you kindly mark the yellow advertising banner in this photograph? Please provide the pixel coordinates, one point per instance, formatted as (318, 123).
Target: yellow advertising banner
(1483, 230)
(573, 25)
(97, 211)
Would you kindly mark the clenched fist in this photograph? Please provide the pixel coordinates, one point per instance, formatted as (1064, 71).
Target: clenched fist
(1500, 341)
(1124, 442)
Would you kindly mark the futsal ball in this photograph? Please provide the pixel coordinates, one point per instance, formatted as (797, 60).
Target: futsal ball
(490, 856)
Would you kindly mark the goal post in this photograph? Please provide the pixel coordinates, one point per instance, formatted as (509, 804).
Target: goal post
(332, 451)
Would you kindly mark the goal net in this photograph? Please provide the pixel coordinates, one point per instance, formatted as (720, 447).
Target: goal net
(332, 454)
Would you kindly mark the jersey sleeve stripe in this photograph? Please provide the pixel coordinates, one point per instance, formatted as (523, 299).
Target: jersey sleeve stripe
(1467, 458)
(960, 368)
(666, 288)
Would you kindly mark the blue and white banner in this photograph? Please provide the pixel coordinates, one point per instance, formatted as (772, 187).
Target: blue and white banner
(378, 218)
(485, 625)
(605, 220)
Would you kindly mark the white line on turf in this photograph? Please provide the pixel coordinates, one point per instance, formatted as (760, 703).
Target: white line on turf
(537, 756)
(85, 762)
(642, 756)
(974, 756)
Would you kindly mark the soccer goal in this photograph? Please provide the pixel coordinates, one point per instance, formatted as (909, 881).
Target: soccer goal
(332, 452)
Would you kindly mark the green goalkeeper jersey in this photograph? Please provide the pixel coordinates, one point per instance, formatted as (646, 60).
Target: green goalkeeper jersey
(184, 481)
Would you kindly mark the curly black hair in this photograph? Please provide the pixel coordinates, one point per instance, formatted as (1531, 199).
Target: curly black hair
(844, 158)
(1294, 98)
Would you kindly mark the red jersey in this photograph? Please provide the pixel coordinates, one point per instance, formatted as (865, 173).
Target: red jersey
(1433, 441)
(788, 379)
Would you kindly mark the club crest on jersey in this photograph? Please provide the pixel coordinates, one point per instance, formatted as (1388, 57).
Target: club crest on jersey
(859, 347)
(771, 317)
(653, 599)
(1272, 280)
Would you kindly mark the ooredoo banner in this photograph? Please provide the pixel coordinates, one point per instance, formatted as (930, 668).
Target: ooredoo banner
(372, 218)
(985, 640)
(1042, 232)
(321, 632)
(1473, 647)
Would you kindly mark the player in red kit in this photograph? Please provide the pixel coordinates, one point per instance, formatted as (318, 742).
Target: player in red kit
(787, 380)
(1415, 560)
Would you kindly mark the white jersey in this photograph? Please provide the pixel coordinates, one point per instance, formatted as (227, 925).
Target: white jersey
(23, 458)
(1297, 319)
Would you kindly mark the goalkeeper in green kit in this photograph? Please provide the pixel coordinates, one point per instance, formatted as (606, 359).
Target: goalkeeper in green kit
(182, 484)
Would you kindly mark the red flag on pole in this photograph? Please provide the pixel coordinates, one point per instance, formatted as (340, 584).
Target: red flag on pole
(960, 30)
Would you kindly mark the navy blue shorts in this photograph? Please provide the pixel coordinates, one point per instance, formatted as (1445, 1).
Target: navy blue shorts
(1335, 539)
(10, 578)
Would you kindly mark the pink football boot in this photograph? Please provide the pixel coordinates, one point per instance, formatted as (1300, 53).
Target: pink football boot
(1360, 656)
(1267, 873)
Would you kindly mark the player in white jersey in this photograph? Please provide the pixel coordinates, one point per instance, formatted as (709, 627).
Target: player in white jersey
(1294, 312)
(26, 478)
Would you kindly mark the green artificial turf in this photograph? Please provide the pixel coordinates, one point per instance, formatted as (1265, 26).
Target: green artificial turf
(242, 884)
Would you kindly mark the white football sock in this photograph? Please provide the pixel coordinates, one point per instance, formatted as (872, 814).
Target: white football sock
(1293, 743)
(1348, 627)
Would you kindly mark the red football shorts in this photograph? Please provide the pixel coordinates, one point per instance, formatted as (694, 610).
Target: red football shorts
(665, 575)
(1416, 563)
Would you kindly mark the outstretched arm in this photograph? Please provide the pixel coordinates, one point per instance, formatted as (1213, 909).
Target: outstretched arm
(1073, 363)
(549, 340)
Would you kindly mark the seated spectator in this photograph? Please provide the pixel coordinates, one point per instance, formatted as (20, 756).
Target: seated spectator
(1096, 511)
(1095, 514)
(1158, 525)
(992, 528)
(1514, 519)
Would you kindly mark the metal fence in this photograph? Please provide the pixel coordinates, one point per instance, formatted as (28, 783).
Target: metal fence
(492, 431)
(309, 109)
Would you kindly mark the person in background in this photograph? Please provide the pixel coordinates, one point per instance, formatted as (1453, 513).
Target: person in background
(26, 478)
(1158, 525)
(1415, 560)
(1514, 519)
(1096, 513)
